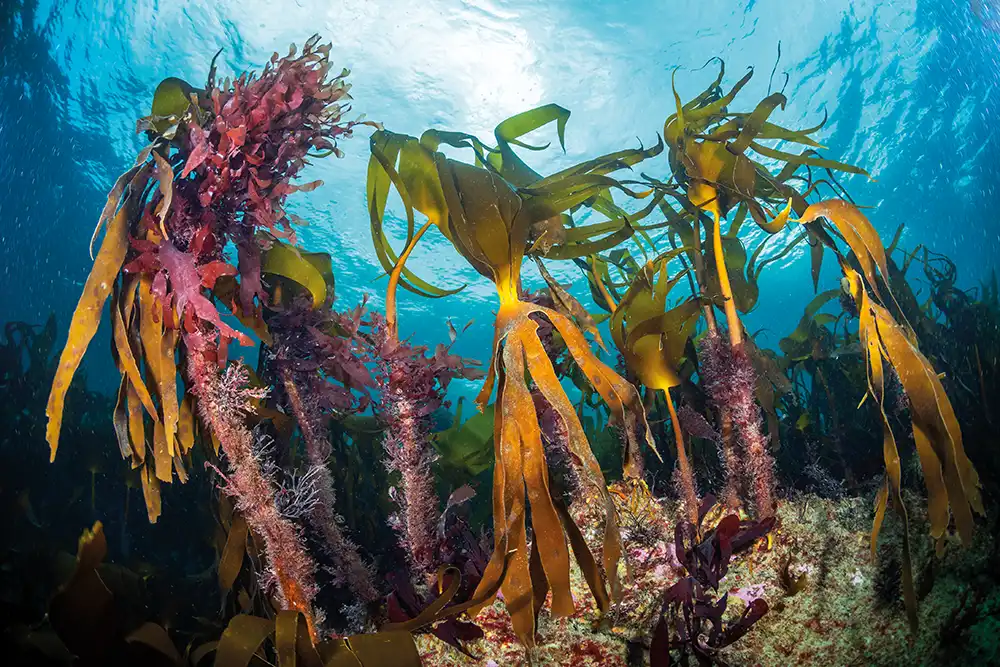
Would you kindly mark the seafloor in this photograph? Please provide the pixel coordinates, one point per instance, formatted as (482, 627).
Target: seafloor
(830, 604)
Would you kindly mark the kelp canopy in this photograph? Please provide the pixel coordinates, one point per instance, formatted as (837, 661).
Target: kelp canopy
(213, 182)
(488, 210)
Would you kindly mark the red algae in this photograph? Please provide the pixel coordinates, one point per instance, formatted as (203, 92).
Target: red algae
(223, 402)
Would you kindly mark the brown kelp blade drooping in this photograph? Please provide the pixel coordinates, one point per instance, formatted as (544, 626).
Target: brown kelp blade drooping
(87, 315)
(488, 211)
(951, 481)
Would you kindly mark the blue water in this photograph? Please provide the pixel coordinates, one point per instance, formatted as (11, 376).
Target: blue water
(911, 88)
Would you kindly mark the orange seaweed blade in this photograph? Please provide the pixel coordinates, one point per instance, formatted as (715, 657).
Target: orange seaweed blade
(86, 319)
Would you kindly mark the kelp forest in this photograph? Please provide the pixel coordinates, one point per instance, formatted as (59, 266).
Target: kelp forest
(641, 480)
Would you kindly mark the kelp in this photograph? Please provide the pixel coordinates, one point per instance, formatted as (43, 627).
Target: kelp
(708, 146)
(82, 611)
(803, 342)
(467, 445)
(231, 559)
(87, 315)
(489, 221)
(856, 230)
(214, 177)
(92, 621)
(651, 336)
(714, 174)
(247, 636)
(951, 481)
(409, 165)
(708, 153)
(949, 476)
(306, 269)
(652, 340)
(567, 304)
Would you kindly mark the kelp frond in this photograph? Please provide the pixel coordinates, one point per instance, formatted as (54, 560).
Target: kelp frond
(416, 170)
(652, 340)
(489, 219)
(951, 481)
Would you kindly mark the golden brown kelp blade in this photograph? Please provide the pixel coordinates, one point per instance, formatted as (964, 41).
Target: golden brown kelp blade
(709, 154)
(231, 560)
(568, 305)
(857, 231)
(81, 612)
(799, 344)
(400, 161)
(806, 159)
(392, 646)
(621, 396)
(513, 169)
(241, 639)
(892, 488)
(509, 132)
(948, 474)
(951, 481)
(298, 266)
(650, 336)
(158, 346)
(123, 307)
(521, 438)
(117, 190)
(544, 376)
(483, 220)
(652, 340)
(87, 315)
(489, 226)
(521, 473)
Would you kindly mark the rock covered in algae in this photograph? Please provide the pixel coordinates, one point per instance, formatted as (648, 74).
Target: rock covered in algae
(829, 603)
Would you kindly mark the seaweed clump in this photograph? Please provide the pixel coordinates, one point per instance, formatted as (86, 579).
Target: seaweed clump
(292, 438)
(222, 160)
(489, 220)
